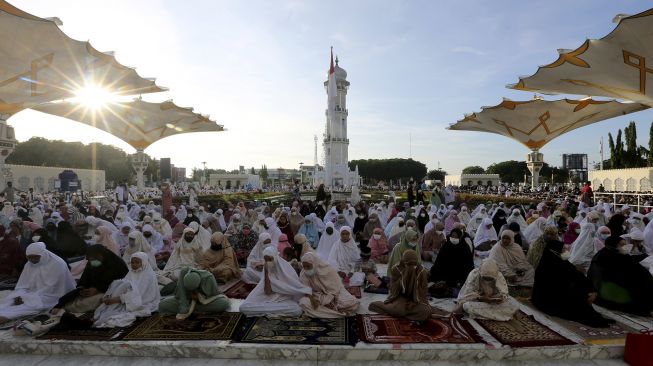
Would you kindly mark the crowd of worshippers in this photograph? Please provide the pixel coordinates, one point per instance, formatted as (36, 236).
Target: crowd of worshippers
(122, 262)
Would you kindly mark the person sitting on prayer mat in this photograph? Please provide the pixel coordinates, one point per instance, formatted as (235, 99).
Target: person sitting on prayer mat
(408, 291)
(329, 299)
(409, 241)
(243, 243)
(379, 246)
(432, 241)
(102, 268)
(279, 290)
(538, 247)
(289, 256)
(621, 282)
(452, 266)
(220, 259)
(196, 293)
(367, 266)
(136, 295)
(329, 238)
(485, 294)
(186, 254)
(255, 261)
(300, 246)
(12, 257)
(343, 257)
(43, 281)
(561, 290)
(512, 262)
(486, 236)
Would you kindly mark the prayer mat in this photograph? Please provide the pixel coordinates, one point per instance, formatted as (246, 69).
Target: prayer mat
(374, 328)
(379, 290)
(615, 334)
(302, 330)
(239, 290)
(355, 290)
(7, 283)
(91, 334)
(523, 331)
(197, 327)
(520, 292)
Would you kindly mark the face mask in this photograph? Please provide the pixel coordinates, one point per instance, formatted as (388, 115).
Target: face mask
(565, 255)
(602, 237)
(189, 215)
(454, 240)
(216, 247)
(377, 236)
(294, 213)
(95, 263)
(329, 230)
(412, 245)
(361, 216)
(422, 215)
(577, 231)
(36, 238)
(439, 232)
(96, 238)
(310, 272)
(626, 249)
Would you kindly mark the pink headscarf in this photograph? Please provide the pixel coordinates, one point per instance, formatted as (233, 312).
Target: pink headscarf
(450, 222)
(378, 247)
(570, 235)
(106, 240)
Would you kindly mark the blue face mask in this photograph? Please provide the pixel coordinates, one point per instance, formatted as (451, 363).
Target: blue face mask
(95, 263)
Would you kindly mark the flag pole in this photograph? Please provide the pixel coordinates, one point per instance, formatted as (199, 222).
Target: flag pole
(601, 151)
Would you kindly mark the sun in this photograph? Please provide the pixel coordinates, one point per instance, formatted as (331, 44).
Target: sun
(93, 97)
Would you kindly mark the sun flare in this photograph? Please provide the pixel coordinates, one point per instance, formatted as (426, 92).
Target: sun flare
(93, 97)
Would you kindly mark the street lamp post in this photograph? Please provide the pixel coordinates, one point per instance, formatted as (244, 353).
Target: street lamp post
(301, 173)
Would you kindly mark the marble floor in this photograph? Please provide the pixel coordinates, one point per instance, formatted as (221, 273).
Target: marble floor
(29, 351)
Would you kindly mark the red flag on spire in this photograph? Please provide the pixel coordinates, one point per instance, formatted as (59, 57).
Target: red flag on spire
(332, 69)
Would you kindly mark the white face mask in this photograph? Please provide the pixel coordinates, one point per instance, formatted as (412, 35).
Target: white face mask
(189, 215)
(310, 272)
(454, 240)
(439, 232)
(602, 237)
(412, 245)
(422, 215)
(377, 236)
(36, 238)
(565, 255)
(626, 249)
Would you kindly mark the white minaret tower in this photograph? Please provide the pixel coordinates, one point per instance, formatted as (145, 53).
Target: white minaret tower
(336, 172)
(336, 143)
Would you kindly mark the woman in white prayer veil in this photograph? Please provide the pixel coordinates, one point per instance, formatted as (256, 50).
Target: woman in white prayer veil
(181, 213)
(535, 229)
(219, 215)
(516, 217)
(331, 215)
(136, 295)
(36, 215)
(648, 237)
(254, 270)
(580, 217)
(136, 242)
(486, 236)
(344, 255)
(153, 238)
(583, 248)
(204, 235)
(477, 219)
(187, 252)
(278, 292)
(350, 216)
(464, 216)
(319, 224)
(44, 280)
(442, 212)
(328, 239)
(134, 212)
(272, 229)
(393, 223)
(478, 209)
(636, 220)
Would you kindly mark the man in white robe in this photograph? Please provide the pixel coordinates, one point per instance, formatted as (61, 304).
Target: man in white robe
(278, 292)
(44, 280)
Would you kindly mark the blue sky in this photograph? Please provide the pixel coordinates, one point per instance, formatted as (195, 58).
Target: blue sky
(258, 67)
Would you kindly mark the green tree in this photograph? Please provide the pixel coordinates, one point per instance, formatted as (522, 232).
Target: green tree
(619, 151)
(474, 170)
(375, 170)
(252, 171)
(613, 151)
(263, 173)
(632, 153)
(436, 174)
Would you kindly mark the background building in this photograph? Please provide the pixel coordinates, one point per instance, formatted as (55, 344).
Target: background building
(235, 181)
(622, 180)
(472, 180)
(576, 164)
(44, 179)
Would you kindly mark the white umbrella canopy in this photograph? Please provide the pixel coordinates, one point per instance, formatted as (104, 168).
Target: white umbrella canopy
(535, 123)
(137, 122)
(619, 65)
(39, 63)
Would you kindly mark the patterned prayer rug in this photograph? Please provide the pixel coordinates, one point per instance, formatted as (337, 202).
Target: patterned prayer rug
(196, 327)
(300, 330)
(239, 290)
(615, 334)
(375, 328)
(380, 290)
(7, 283)
(523, 331)
(90, 334)
(355, 290)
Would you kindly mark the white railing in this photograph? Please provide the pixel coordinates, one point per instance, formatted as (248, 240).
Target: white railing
(638, 200)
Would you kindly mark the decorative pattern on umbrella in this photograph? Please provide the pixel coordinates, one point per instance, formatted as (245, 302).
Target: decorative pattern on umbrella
(138, 123)
(619, 65)
(40, 64)
(536, 122)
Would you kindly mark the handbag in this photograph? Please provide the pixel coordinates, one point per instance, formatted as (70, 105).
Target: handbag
(638, 348)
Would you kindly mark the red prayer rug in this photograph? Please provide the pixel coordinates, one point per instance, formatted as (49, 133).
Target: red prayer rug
(355, 290)
(523, 331)
(239, 290)
(374, 328)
